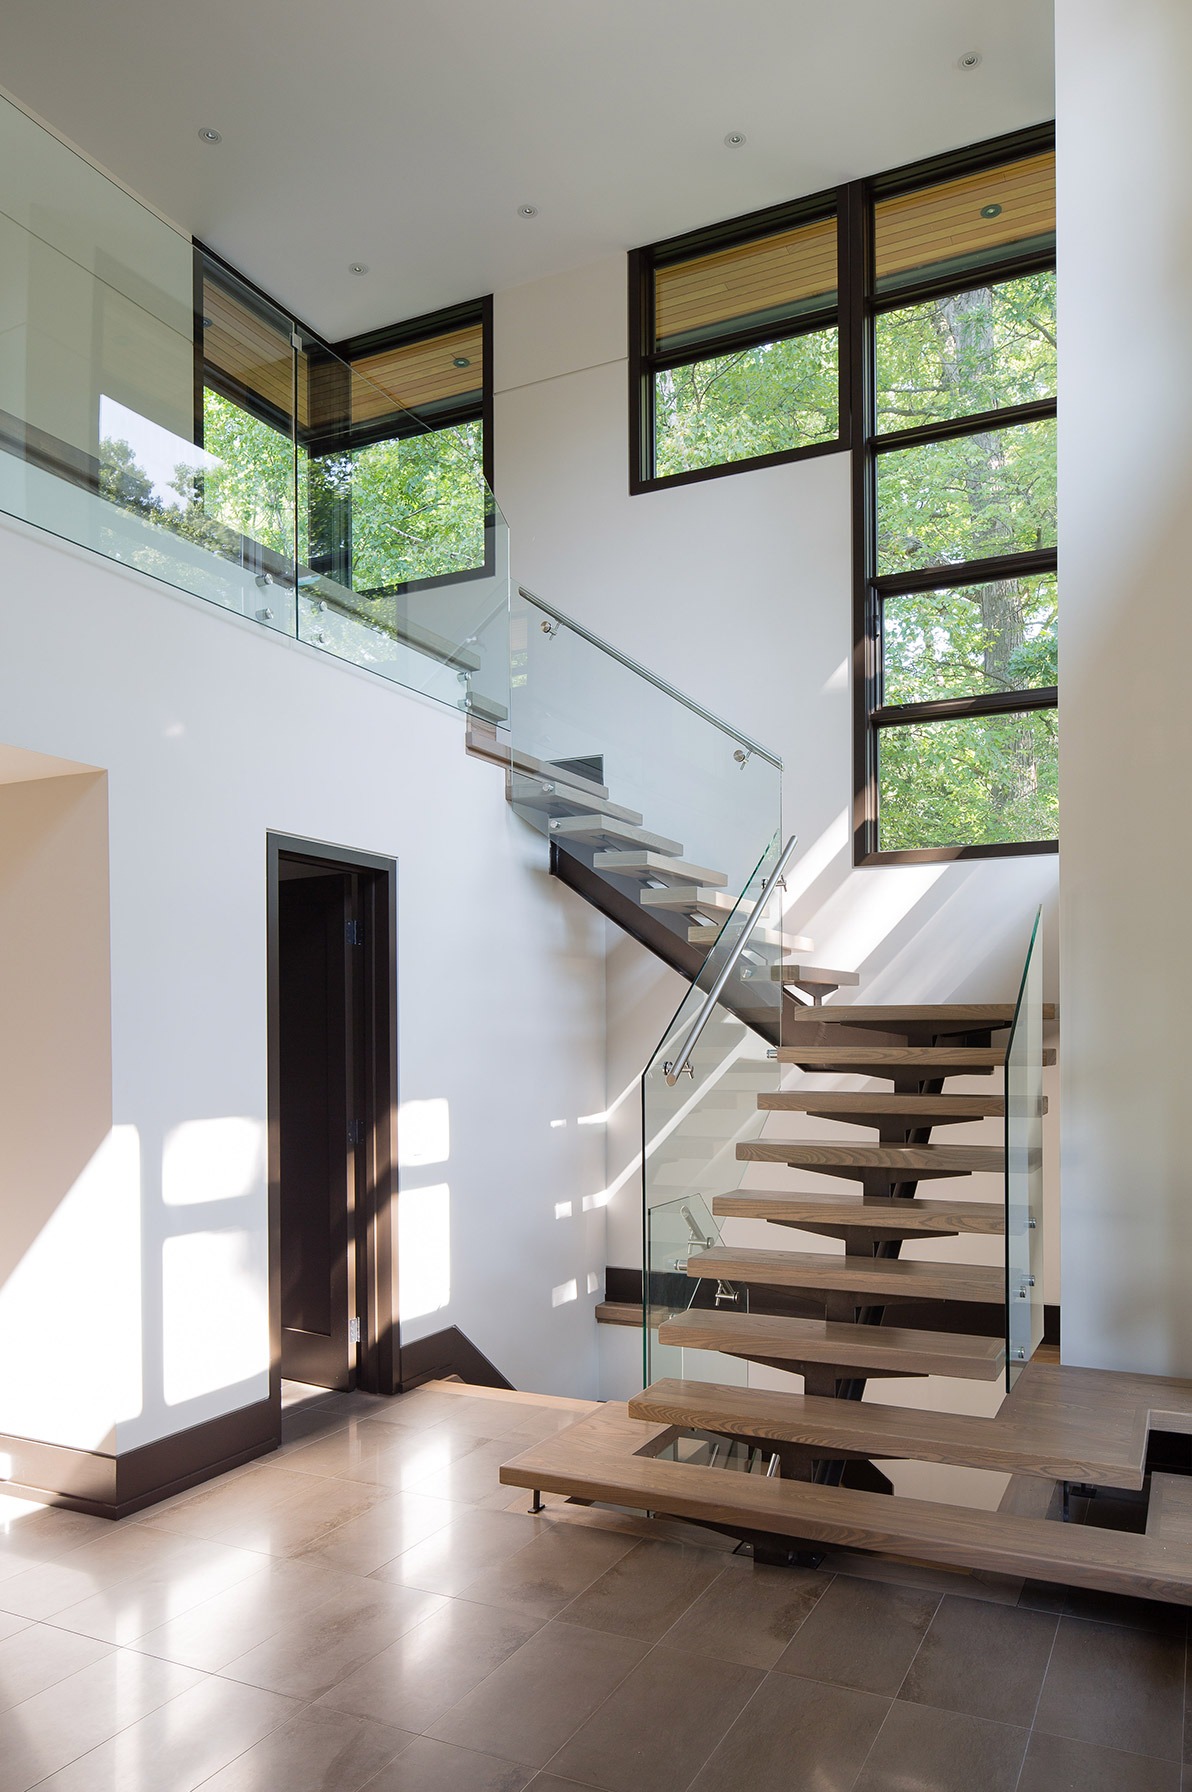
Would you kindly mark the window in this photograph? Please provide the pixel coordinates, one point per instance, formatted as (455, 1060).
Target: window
(735, 351)
(387, 437)
(955, 431)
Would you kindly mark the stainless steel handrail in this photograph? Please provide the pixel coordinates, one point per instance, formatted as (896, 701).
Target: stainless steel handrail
(674, 1068)
(751, 746)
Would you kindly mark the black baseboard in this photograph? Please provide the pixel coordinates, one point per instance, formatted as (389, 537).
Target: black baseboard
(447, 1353)
(108, 1486)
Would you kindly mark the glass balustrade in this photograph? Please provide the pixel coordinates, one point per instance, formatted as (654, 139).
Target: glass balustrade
(664, 807)
(157, 410)
(1024, 1166)
(699, 1102)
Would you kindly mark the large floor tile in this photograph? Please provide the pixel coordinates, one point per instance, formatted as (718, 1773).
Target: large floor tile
(49, 1588)
(181, 1744)
(550, 1571)
(986, 1660)
(862, 1634)
(748, 1614)
(536, 1700)
(333, 1639)
(1059, 1764)
(272, 1510)
(1115, 1686)
(470, 1477)
(429, 1766)
(644, 1593)
(386, 1455)
(458, 1552)
(39, 1656)
(1119, 1608)
(54, 1727)
(658, 1727)
(942, 1751)
(279, 1596)
(796, 1736)
(374, 1537)
(414, 1681)
(160, 1591)
(316, 1751)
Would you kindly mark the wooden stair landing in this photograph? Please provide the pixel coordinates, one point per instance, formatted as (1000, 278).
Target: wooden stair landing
(612, 1458)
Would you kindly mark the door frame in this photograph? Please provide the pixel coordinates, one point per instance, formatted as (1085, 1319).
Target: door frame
(379, 1362)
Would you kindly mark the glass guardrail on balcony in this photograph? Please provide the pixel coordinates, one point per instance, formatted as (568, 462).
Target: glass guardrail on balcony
(157, 410)
(699, 1102)
(665, 807)
(1024, 1165)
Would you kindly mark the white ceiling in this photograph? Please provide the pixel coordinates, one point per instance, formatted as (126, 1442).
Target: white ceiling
(405, 133)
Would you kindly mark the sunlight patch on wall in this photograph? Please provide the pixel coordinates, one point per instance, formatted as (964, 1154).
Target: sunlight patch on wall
(814, 861)
(73, 1361)
(213, 1160)
(866, 910)
(564, 1292)
(423, 1133)
(562, 1210)
(215, 1322)
(424, 1250)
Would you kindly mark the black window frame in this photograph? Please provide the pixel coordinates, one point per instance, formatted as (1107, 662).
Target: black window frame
(414, 421)
(870, 715)
(645, 362)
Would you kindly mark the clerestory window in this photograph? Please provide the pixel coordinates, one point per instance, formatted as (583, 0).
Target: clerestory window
(954, 430)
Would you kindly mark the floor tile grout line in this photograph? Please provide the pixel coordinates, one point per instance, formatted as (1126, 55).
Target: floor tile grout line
(1059, 1618)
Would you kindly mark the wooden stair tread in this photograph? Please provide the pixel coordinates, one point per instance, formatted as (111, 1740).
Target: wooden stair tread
(814, 974)
(866, 1104)
(781, 1338)
(867, 1277)
(524, 762)
(873, 1429)
(702, 934)
(898, 1218)
(661, 866)
(607, 1457)
(554, 797)
(939, 1017)
(628, 1313)
(896, 1060)
(808, 1154)
(591, 829)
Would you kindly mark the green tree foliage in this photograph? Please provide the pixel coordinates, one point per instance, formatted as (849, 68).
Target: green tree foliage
(973, 497)
(762, 400)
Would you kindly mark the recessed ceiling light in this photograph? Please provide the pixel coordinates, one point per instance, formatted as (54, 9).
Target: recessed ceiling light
(991, 211)
(527, 211)
(735, 139)
(461, 361)
(358, 267)
(970, 59)
(207, 135)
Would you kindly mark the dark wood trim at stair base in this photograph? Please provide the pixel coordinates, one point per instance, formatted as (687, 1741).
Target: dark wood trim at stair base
(624, 1287)
(107, 1486)
(447, 1353)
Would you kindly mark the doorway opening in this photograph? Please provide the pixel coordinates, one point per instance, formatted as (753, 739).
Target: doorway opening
(332, 917)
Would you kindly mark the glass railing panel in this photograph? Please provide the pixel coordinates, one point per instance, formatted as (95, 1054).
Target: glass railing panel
(404, 554)
(699, 1102)
(1024, 1166)
(611, 762)
(157, 409)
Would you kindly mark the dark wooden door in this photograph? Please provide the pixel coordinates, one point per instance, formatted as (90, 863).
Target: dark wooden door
(317, 1063)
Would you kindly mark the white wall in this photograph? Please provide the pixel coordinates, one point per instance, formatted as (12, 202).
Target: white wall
(1125, 256)
(738, 591)
(212, 733)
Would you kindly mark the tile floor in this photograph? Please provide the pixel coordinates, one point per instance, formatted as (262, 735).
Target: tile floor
(369, 1608)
